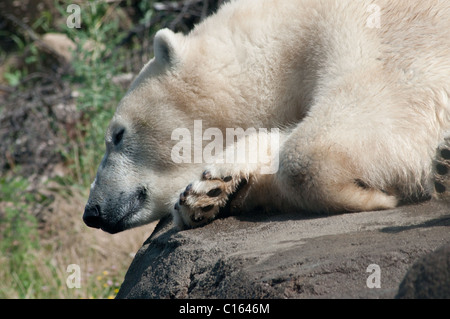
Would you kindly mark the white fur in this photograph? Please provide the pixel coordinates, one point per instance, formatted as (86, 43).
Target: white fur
(361, 109)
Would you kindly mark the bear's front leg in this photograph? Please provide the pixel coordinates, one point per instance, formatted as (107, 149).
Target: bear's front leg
(253, 156)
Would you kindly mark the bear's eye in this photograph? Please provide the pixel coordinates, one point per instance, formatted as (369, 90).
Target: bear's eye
(117, 138)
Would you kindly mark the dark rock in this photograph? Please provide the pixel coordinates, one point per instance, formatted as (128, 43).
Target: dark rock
(287, 255)
(429, 278)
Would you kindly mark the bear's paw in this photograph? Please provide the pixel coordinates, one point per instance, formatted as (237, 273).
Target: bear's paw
(203, 199)
(441, 167)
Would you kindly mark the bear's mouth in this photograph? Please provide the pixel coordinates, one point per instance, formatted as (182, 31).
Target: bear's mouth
(98, 217)
(133, 205)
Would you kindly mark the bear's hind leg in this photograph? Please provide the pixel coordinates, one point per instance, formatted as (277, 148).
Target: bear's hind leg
(354, 197)
(320, 175)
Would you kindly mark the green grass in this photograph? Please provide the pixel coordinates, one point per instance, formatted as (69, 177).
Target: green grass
(33, 264)
(19, 238)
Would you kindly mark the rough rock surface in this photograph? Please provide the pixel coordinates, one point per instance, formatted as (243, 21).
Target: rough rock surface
(288, 255)
(429, 278)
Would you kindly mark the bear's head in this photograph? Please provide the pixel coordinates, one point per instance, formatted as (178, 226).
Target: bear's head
(205, 75)
(137, 177)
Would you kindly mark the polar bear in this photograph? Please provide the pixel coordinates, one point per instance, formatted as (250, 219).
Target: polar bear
(355, 94)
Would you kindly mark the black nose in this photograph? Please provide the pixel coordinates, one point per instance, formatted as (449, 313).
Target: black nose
(91, 216)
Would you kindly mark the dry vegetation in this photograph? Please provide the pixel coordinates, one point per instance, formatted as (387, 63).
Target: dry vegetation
(58, 90)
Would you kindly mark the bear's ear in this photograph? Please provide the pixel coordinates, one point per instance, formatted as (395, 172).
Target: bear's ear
(166, 46)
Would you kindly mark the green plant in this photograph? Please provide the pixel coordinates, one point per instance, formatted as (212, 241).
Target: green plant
(13, 77)
(24, 40)
(19, 237)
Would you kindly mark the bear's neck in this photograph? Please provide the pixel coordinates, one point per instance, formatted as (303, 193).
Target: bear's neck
(243, 67)
(250, 74)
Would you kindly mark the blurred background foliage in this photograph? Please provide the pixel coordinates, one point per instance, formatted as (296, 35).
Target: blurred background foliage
(59, 87)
